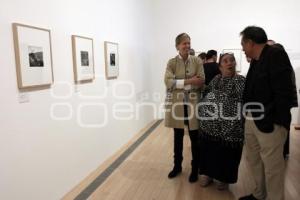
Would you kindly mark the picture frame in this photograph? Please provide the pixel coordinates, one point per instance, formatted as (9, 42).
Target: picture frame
(33, 56)
(238, 54)
(111, 59)
(83, 58)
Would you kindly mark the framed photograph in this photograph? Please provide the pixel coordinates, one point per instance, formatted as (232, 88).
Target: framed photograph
(33, 56)
(83, 58)
(111, 60)
(238, 54)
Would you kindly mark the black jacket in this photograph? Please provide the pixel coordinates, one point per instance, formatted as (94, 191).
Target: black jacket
(210, 71)
(271, 82)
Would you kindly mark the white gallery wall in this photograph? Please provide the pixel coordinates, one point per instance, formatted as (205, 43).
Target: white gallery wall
(215, 24)
(42, 157)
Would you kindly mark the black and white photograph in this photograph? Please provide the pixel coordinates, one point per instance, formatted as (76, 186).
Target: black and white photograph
(35, 56)
(112, 59)
(84, 58)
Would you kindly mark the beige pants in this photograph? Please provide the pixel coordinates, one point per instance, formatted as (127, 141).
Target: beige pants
(264, 153)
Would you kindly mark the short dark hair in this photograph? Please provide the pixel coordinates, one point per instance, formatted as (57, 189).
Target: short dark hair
(255, 33)
(211, 53)
(202, 55)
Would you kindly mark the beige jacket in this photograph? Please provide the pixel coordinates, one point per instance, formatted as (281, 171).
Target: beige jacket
(176, 95)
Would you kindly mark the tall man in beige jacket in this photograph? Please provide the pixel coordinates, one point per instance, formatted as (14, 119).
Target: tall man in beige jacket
(184, 79)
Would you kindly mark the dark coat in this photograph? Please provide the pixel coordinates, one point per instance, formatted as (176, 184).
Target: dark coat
(271, 82)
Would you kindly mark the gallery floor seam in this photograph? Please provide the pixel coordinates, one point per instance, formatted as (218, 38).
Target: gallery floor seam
(108, 171)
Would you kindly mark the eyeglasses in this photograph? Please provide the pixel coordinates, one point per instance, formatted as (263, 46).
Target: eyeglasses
(224, 54)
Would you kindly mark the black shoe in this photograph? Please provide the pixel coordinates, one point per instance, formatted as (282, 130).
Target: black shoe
(249, 197)
(193, 176)
(175, 172)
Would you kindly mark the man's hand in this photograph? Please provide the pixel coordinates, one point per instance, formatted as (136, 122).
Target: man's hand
(195, 80)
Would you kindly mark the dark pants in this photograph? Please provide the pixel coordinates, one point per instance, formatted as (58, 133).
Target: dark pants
(178, 144)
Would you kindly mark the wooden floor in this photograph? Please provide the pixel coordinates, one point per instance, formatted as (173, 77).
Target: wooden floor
(143, 176)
